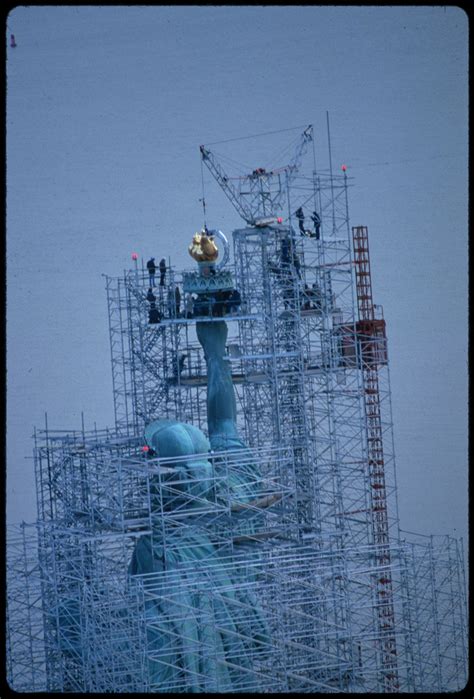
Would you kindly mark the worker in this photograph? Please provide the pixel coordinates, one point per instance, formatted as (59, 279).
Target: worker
(154, 316)
(177, 300)
(300, 216)
(316, 219)
(285, 252)
(171, 303)
(151, 267)
(12, 41)
(305, 302)
(234, 301)
(150, 297)
(162, 271)
(178, 365)
(289, 257)
(297, 264)
(188, 306)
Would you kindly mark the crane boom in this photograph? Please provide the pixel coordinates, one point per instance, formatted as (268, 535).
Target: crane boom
(306, 137)
(229, 190)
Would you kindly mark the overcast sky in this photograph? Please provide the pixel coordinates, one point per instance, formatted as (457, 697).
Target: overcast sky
(106, 108)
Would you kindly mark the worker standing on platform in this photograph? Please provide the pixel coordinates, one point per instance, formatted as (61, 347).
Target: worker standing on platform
(178, 364)
(171, 302)
(154, 316)
(162, 271)
(177, 300)
(188, 306)
(151, 267)
(306, 296)
(285, 254)
(182, 360)
(289, 257)
(316, 219)
(300, 216)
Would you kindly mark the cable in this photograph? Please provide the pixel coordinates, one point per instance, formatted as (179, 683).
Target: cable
(409, 160)
(235, 163)
(203, 198)
(257, 135)
(281, 153)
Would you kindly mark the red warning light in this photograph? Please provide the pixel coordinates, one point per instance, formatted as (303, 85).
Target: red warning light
(134, 256)
(145, 448)
(279, 219)
(344, 168)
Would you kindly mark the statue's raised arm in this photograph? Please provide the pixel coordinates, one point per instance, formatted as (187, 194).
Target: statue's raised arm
(221, 404)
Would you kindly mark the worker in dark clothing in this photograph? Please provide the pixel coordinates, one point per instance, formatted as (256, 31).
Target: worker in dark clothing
(178, 365)
(171, 303)
(316, 219)
(297, 264)
(177, 300)
(150, 297)
(162, 271)
(289, 257)
(154, 316)
(234, 301)
(285, 252)
(151, 267)
(300, 216)
(219, 303)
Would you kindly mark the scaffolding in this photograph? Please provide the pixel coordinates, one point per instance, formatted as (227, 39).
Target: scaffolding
(307, 586)
(95, 632)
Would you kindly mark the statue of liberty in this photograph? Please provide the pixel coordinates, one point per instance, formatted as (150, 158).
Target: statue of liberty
(214, 656)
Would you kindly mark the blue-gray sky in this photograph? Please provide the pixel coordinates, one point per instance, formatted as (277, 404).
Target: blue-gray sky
(106, 108)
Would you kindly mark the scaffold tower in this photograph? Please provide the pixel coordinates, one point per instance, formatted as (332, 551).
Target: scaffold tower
(295, 577)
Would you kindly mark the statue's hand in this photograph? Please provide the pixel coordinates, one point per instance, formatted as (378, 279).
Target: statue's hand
(213, 337)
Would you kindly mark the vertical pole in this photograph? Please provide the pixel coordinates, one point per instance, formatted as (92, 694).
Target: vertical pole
(346, 197)
(463, 606)
(331, 176)
(435, 610)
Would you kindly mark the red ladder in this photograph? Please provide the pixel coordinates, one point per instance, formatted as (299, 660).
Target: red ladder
(376, 468)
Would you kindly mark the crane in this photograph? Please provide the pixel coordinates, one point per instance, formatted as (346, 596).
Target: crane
(260, 194)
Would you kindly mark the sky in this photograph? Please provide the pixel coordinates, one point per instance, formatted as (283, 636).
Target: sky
(106, 109)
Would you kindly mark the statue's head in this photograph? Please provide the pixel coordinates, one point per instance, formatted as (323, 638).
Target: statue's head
(170, 439)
